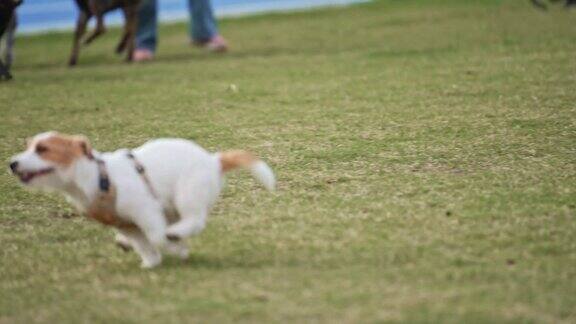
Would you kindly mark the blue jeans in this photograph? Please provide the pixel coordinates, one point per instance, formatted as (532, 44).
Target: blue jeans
(203, 25)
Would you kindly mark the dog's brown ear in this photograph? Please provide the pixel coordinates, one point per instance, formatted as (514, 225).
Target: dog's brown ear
(84, 145)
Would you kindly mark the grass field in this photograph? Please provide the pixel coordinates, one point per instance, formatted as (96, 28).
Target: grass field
(425, 152)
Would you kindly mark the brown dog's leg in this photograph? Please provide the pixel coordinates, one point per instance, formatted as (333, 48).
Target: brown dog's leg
(123, 42)
(99, 30)
(125, 33)
(83, 18)
(131, 14)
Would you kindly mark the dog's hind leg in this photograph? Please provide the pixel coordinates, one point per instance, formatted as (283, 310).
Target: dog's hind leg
(83, 18)
(130, 28)
(192, 203)
(123, 42)
(126, 32)
(192, 223)
(194, 195)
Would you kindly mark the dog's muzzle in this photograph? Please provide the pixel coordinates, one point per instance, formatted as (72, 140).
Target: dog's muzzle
(13, 166)
(27, 176)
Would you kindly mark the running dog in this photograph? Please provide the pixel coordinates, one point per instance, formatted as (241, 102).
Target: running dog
(154, 196)
(97, 8)
(8, 28)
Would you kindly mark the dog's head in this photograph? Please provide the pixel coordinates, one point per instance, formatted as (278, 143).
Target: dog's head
(49, 159)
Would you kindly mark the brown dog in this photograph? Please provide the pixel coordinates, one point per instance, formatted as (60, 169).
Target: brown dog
(97, 8)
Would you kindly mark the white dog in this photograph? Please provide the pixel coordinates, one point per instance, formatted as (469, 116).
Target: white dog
(154, 196)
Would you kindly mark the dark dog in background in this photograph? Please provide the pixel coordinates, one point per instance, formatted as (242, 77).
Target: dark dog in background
(97, 8)
(7, 29)
(542, 4)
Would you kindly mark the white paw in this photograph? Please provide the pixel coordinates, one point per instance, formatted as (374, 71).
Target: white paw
(184, 254)
(178, 250)
(149, 264)
(157, 241)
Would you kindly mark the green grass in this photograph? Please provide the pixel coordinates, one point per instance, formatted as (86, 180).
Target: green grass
(425, 152)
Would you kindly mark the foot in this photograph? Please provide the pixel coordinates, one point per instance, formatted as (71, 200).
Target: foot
(150, 262)
(177, 249)
(142, 55)
(216, 44)
(124, 247)
(123, 242)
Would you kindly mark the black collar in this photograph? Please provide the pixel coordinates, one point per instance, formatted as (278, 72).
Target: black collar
(103, 179)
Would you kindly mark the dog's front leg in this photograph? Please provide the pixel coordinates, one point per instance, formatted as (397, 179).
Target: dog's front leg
(151, 221)
(83, 18)
(148, 236)
(177, 249)
(123, 242)
(149, 254)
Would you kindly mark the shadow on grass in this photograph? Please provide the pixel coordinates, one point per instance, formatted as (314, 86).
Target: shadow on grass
(199, 261)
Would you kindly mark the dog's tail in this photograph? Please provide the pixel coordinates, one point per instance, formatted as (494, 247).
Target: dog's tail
(239, 159)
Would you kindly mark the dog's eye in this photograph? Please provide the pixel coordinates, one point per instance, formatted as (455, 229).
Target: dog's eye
(41, 149)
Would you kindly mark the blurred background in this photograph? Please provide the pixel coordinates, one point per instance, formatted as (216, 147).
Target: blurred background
(46, 15)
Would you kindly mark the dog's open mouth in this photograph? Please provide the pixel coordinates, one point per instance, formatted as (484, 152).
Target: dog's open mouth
(27, 176)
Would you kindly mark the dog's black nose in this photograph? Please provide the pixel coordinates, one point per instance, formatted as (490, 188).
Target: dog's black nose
(14, 166)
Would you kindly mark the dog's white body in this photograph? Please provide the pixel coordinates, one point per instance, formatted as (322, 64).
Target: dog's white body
(186, 182)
